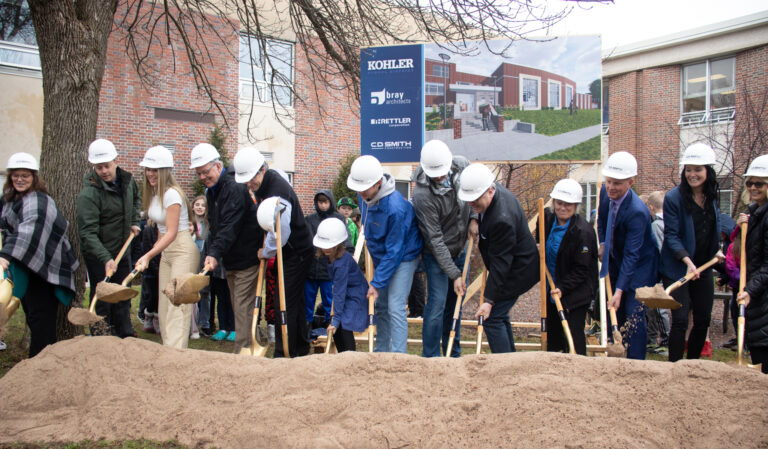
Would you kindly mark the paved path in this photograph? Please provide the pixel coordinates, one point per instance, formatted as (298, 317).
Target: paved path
(514, 145)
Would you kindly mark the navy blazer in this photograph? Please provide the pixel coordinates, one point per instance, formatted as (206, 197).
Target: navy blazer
(680, 236)
(350, 304)
(636, 256)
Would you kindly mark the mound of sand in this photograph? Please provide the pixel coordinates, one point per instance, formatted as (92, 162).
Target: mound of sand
(103, 387)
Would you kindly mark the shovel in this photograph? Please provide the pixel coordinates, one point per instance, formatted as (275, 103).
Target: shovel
(371, 301)
(185, 289)
(740, 321)
(563, 321)
(115, 293)
(480, 318)
(256, 349)
(82, 317)
(459, 299)
(360, 244)
(281, 280)
(617, 348)
(657, 297)
(329, 347)
(8, 303)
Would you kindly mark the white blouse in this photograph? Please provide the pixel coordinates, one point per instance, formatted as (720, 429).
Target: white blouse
(156, 212)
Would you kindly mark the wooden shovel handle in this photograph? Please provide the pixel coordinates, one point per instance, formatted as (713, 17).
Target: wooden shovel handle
(281, 288)
(684, 280)
(742, 284)
(459, 299)
(563, 321)
(480, 319)
(614, 319)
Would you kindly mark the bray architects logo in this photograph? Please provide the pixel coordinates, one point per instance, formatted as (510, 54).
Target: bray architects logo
(384, 97)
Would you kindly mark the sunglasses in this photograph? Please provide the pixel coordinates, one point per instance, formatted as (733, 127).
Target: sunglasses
(758, 184)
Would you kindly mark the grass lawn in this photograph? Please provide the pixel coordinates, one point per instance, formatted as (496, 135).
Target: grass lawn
(588, 150)
(554, 122)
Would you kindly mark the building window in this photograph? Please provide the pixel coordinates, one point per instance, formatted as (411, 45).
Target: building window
(530, 92)
(554, 95)
(18, 44)
(404, 187)
(726, 194)
(266, 76)
(589, 200)
(433, 88)
(568, 96)
(440, 70)
(606, 112)
(709, 92)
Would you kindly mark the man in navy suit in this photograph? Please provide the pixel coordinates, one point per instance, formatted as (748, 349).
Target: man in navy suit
(627, 247)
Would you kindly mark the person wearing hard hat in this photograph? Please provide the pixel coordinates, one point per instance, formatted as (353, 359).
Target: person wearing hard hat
(571, 258)
(346, 207)
(755, 294)
(443, 221)
(627, 247)
(507, 248)
(166, 204)
(691, 239)
(234, 236)
(35, 249)
(296, 239)
(108, 208)
(350, 308)
(394, 243)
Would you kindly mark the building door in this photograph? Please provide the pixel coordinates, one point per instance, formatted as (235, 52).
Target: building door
(466, 102)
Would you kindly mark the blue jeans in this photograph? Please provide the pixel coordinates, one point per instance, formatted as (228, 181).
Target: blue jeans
(391, 317)
(310, 294)
(498, 329)
(438, 312)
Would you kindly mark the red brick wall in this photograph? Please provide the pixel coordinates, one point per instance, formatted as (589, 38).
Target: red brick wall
(327, 129)
(751, 107)
(126, 109)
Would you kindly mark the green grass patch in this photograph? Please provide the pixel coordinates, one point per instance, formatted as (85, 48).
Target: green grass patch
(554, 122)
(589, 150)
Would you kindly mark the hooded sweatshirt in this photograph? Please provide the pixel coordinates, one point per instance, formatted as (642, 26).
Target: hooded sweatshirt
(319, 269)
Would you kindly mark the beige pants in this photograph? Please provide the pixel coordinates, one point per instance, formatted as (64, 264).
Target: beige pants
(242, 290)
(180, 257)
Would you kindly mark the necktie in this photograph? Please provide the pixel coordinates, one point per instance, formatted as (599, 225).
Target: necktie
(608, 238)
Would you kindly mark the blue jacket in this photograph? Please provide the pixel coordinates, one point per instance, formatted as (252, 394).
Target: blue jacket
(391, 233)
(680, 236)
(350, 308)
(635, 261)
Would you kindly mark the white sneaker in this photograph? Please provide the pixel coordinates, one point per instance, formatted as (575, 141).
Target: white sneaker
(271, 333)
(2, 345)
(195, 336)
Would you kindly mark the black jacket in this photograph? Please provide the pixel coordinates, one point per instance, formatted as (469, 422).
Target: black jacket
(576, 271)
(319, 268)
(508, 249)
(300, 241)
(235, 236)
(756, 329)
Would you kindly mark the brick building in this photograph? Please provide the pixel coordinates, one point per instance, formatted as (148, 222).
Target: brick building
(699, 85)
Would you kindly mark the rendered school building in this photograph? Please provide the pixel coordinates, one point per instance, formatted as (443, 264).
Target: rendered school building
(708, 84)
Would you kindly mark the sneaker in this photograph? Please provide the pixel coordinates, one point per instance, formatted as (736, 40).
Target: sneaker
(220, 335)
(156, 323)
(2, 345)
(231, 336)
(148, 326)
(706, 351)
(271, 333)
(731, 344)
(195, 336)
(594, 329)
(205, 332)
(662, 351)
(652, 348)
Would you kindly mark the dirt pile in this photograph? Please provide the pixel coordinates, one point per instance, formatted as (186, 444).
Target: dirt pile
(103, 387)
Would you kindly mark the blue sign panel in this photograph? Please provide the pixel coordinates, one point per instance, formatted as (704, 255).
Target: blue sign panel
(392, 102)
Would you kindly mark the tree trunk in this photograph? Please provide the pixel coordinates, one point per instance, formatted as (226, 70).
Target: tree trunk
(72, 40)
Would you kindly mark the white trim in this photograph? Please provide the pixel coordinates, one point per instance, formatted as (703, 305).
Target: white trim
(522, 77)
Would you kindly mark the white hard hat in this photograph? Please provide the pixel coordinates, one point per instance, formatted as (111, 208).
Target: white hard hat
(698, 154)
(100, 151)
(202, 154)
(568, 190)
(474, 181)
(330, 233)
(758, 167)
(436, 158)
(22, 160)
(365, 172)
(267, 213)
(157, 157)
(248, 161)
(620, 165)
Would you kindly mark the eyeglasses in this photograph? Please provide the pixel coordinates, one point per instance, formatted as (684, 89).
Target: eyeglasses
(20, 176)
(758, 184)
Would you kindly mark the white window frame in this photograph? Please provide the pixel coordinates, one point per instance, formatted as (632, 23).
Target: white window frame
(13, 47)
(708, 115)
(430, 85)
(264, 94)
(569, 98)
(559, 94)
(444, 69)
(522, 79)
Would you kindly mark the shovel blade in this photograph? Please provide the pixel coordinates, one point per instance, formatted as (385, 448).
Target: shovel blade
(114, 293)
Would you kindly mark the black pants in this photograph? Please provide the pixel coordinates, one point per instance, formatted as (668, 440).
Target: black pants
(117, 316)
(40, 307)
(576, 318)
(696, 296)
(150, 294)
(295, 275)
(220, 291)
(759, 355)
(344, 340)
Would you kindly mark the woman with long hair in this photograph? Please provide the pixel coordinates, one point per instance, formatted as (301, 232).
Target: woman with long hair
(35, 249)
(691, 238)
(166, 204)
(755, 295)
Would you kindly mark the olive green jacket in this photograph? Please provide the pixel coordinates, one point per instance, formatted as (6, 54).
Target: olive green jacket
(104, 216)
